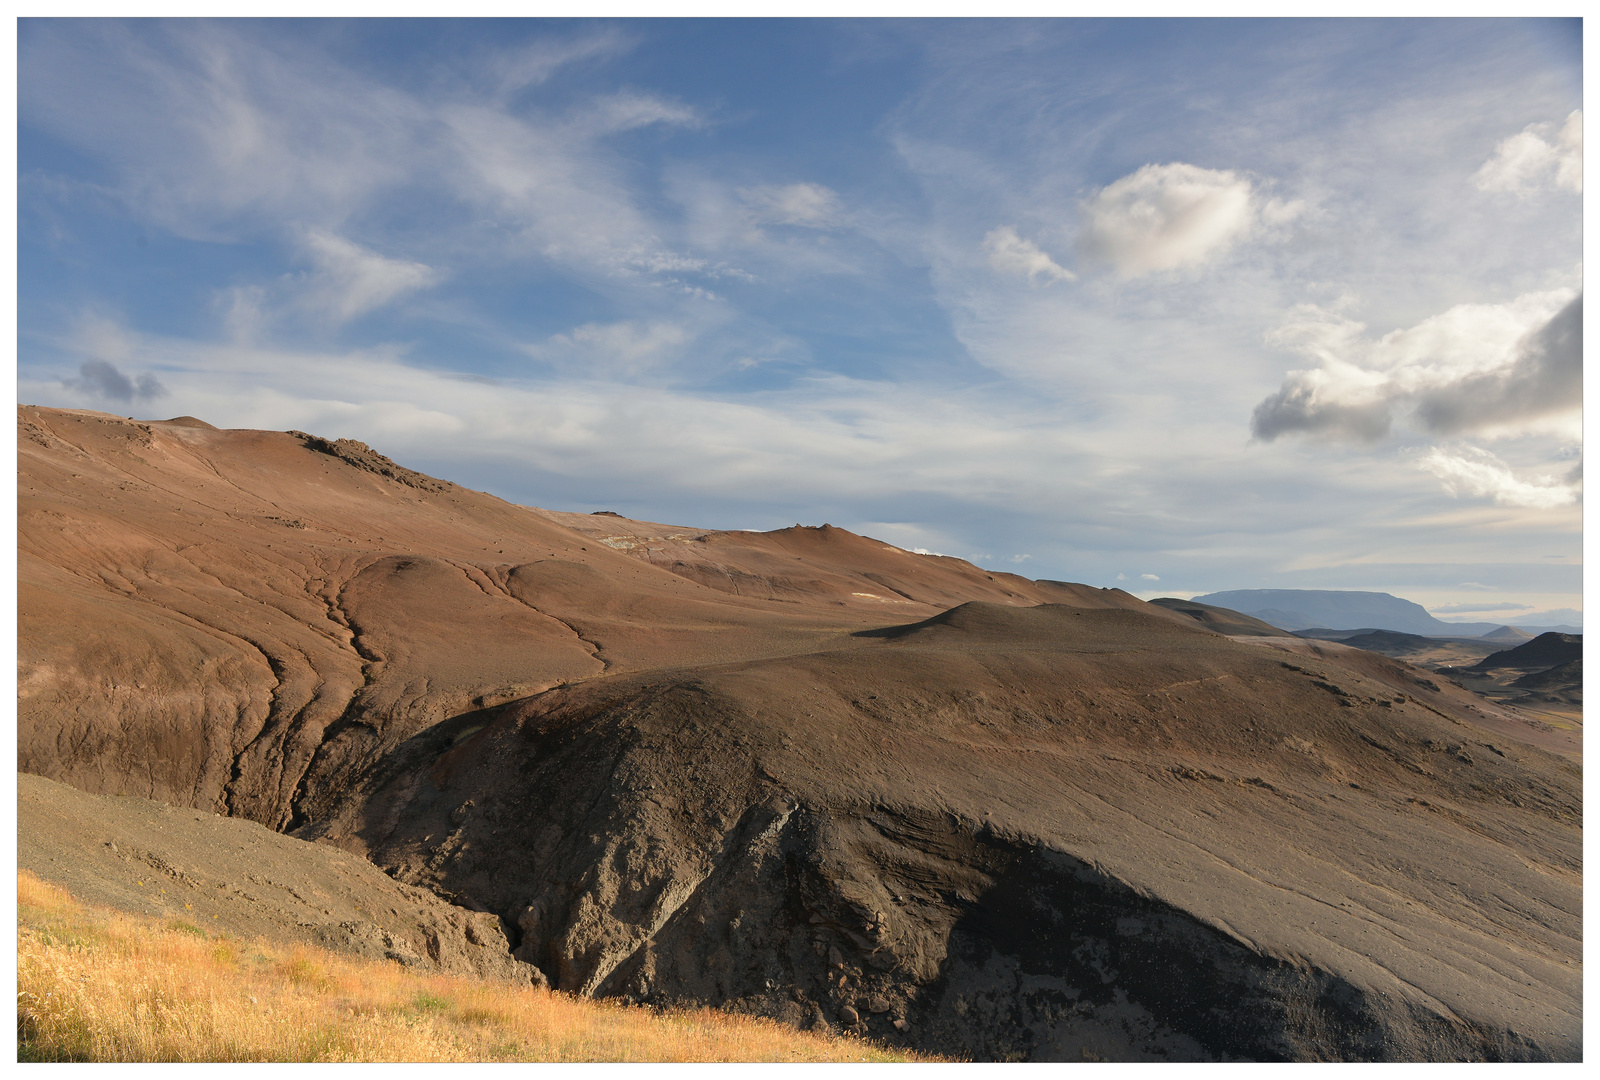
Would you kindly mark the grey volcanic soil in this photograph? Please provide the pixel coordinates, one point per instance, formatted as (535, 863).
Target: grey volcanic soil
(1543, 652)
(1222, 620)
(1021, 833)
(230, 875)
(802, 773)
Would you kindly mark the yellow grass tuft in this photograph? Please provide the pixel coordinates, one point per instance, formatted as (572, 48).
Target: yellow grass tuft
(43, 896)
(96, 985)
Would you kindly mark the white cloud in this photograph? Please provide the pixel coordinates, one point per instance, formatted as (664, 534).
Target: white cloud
(535, 62)
(609, 350)
(244, 311)
(216, 133)
(98, 338)
(1544, 378)
(551, 192)
(208, 132)
(780, 236)
(1011, 254)
(1473, 471)
(1165, 217)
(1456, 609)
(811, 205)
(350, 280)
(1528, 161)
(1486, 369)
(1148, 577)
(628, 110)
(1569, 146)
(1276, 213)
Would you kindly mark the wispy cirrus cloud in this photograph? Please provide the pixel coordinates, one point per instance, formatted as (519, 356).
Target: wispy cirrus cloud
(629, 109)
(624, 349)
(1011, 254)
(216, 134)
(351, 280)
(1457, 609)
(807, 204)
(533, 63)
(208, 133)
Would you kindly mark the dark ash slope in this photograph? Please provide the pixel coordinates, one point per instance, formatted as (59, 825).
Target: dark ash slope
(1021, 833)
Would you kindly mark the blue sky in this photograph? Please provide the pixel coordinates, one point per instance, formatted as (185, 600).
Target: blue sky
(1178, 306)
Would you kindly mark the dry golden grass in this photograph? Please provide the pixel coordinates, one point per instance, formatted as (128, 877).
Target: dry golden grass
(98, 985)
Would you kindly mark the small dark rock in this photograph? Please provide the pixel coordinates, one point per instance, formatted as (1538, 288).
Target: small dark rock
(848, 1015)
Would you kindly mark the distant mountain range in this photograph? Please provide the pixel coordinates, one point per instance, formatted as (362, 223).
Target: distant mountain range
(1333, 609)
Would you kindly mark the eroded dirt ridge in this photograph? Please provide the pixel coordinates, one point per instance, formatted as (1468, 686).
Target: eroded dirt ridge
(802, 773)
(209, 616)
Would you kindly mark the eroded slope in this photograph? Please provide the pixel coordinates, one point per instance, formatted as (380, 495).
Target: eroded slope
(1023, 832)
(233, 620)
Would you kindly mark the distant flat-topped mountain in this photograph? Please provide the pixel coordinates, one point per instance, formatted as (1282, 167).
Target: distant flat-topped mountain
(1338, 609)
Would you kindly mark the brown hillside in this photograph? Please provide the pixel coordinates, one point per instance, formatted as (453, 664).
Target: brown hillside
(999, 794)
(1222, 620)
(264, 608)
(803, 774)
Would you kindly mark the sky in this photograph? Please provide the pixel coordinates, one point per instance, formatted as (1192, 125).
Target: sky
(1173, 306)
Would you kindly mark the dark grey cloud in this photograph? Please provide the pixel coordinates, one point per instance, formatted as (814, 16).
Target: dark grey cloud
(1296, 408)
(1545, 378)
(102, 379)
